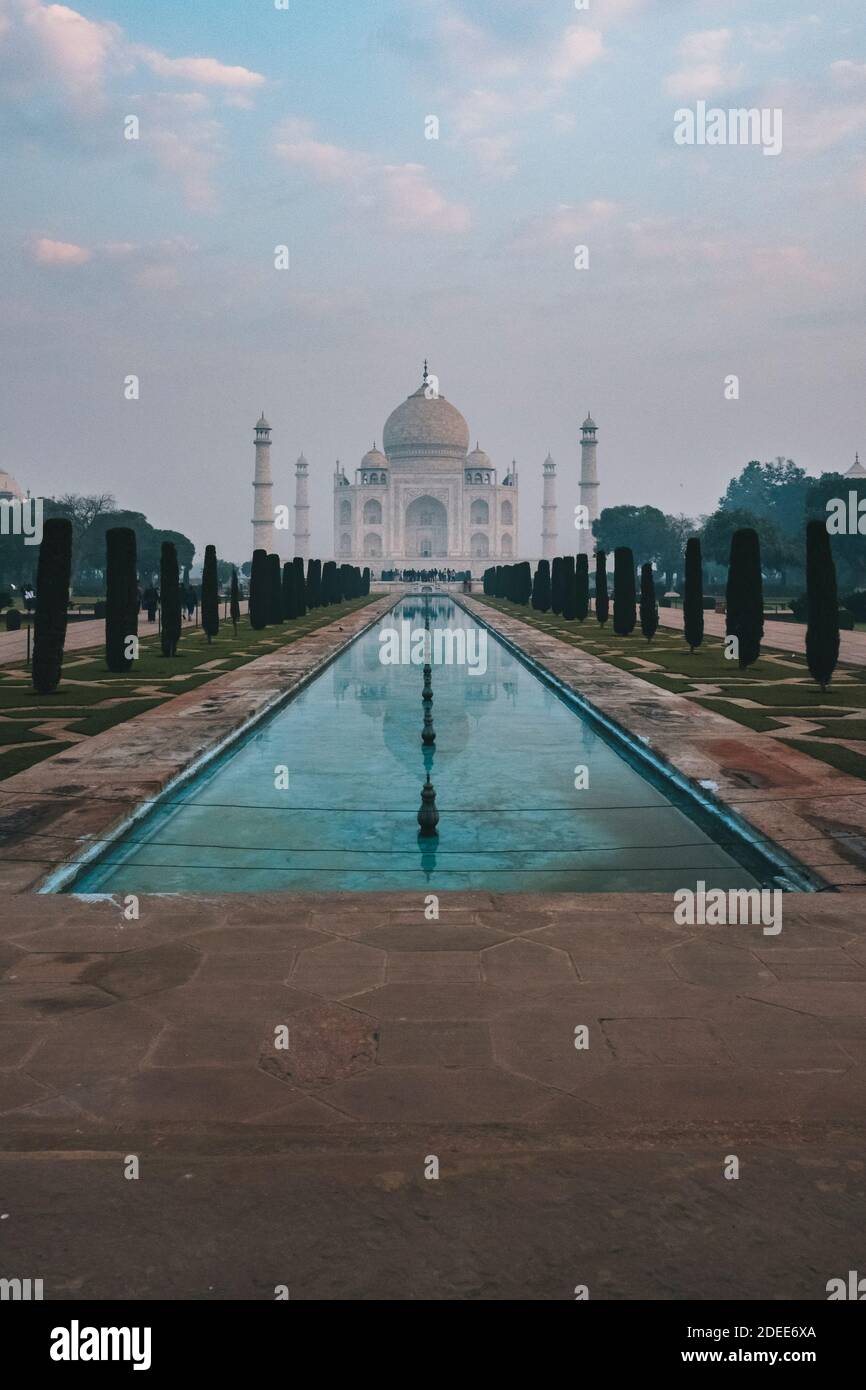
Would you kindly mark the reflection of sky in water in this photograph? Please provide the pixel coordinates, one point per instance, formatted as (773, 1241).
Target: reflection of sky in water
(503, 767)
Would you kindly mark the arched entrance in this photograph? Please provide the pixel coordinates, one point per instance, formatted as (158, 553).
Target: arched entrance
(426, 528)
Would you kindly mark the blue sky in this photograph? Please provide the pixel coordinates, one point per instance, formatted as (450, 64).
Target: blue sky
(307, 127)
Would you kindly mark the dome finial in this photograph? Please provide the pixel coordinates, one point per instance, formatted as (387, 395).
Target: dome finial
(426, 373)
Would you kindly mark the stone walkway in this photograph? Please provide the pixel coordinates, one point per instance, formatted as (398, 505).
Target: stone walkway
(788, 637)
(79, 636)
(408, 1040)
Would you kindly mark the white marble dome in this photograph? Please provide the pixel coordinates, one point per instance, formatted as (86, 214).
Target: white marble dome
(422, 426)
(9, 489)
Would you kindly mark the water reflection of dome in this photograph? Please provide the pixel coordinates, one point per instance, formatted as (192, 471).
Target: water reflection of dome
(404, 744)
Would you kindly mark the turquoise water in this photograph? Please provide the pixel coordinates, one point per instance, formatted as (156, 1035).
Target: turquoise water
(503, 767)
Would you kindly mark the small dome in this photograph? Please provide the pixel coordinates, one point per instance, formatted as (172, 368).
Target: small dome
(261, 423)
(423, 425)
(478, 458)
(589, 424)
(9, 487)
(374, 458)
(301, 461)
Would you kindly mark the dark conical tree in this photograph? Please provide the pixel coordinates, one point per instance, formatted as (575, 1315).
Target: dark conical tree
(525, 582)
(314, 583)
(329, 593)
(581, 587)
(169, 599)
(624, 604)
(557, 589)
(744, 596)
(541, 587)
(602, 602)
(300, 588)
(569, 589)
(290, 607)
(649, 608)
(235, 601)
(210, 594)
(693, 595)
(121, 596)
(259, 602)
(53, 572)
(366, 588)
(275, 591)
(822, 605)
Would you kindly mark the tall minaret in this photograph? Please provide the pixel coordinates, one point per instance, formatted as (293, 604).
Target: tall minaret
(263, 490)
(302, 510)
(548, 511)
(588, 484)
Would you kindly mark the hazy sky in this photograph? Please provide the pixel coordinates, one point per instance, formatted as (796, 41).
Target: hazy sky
(305, 126)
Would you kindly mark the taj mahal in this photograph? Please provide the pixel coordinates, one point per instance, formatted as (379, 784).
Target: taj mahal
(423, 495)
(424, 500)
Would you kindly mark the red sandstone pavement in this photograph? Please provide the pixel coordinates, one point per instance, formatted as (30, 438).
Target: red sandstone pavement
(410, 1040)
(788, 637)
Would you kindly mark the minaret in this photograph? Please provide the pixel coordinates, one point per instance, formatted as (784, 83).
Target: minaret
(548, 511)
(263, 490)
(588, 484)
(302, 510)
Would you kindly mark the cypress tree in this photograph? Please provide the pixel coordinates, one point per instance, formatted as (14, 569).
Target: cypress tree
(121, 596)
(581, 583)
(744, 596)
(541, 587)
(314, 583)
(328, 594)
(169, 599)
(210, 594)
(235, 601)
(526, 582)
(289, 606)
(822, 605)
(366, 588)
(569, 589)
(649, 608)
(693, 595)
(624, 607)
(275, 591)
(556, 586)
(258, 604)
(602, 603)
(300, 588)
(53, 573)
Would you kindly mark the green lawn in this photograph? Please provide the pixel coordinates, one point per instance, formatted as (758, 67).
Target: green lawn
(775, 691)
(91, 699)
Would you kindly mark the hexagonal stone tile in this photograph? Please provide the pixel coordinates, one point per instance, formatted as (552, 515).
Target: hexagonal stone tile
(711, 963)
(539, 1043)
(520, 964)
(339, 968)
(325, 1043)
(433, 936)
(448, 1044)
(49, 1000)
(666, 1041)
(137, 973)
(445, 967)
(104, 1042)
(189, 1094)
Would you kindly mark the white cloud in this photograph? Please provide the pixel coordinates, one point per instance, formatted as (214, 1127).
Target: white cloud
(403, 194)
(204, 72)
(412, 203)
(65, 253)
(577, 48)
(852, 74)
(704, 69)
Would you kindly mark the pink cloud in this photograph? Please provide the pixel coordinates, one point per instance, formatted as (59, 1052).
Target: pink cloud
(411, 202)
(578, 48)
(49, 252)
(206, 72)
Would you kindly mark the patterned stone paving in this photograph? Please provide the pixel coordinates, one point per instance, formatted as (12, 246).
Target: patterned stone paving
(410, 1038)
